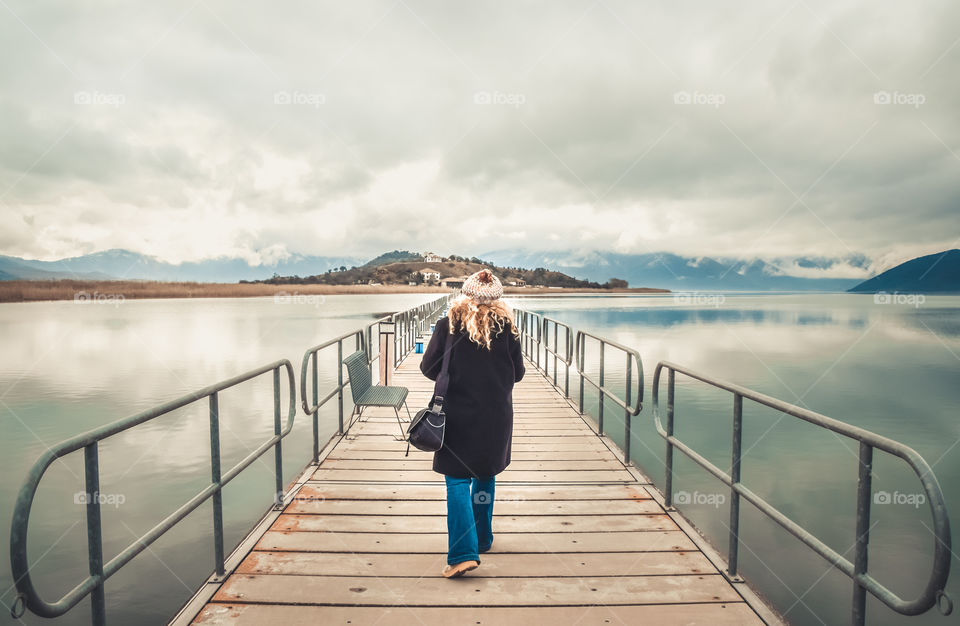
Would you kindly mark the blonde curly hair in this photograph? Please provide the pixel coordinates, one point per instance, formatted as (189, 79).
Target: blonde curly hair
(481, 318)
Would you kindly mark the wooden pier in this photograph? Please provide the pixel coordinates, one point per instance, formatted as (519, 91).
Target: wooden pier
(578, 537)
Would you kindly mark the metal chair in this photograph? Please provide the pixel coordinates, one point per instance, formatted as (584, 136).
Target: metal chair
(367, 394)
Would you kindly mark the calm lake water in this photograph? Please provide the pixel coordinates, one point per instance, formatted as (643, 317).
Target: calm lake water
(891, 368)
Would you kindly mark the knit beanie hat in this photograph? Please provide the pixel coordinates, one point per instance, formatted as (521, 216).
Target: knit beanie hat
(482, 286)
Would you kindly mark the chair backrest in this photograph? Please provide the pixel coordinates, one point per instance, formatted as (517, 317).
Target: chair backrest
(359, 371)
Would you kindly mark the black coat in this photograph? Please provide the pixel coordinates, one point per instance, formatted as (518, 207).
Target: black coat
(479, 400)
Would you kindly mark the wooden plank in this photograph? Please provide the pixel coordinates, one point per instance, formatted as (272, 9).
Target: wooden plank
(494, 564)
(508, 475)
(638, 541)
(427, 464)
(710, 614)
(502, 523)
(516, 455)
(484, 591)
(503, 493)
(544, 444)
(501, 507)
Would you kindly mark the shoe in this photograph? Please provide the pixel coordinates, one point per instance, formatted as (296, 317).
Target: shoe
(452, 571)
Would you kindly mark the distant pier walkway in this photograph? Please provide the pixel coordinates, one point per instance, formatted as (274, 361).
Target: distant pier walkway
(577, 538)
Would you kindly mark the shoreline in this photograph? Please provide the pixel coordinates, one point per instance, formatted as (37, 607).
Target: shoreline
(113, 290)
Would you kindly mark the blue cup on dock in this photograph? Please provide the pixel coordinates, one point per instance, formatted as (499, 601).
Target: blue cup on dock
(419, 345)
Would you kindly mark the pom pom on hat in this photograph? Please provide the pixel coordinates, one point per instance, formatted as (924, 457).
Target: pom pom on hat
(482, 286)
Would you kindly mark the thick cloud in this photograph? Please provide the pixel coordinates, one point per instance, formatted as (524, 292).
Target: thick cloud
(208, 128)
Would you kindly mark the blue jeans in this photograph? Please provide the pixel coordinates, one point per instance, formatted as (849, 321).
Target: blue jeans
(469, 517)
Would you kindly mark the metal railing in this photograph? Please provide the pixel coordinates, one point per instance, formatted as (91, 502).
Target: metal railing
(410, 324)
(553, 349)
(632, 402)
(932, 595)
(363, 338)
(407, 324)
(530, 326)
(540, 334)
(99, 572)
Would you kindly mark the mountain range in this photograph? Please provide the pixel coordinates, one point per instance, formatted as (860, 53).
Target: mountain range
(682, 273)
(124, 264)
(932, 273)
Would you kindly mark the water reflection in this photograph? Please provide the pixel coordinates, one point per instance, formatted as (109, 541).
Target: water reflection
(891, 369)
(70, 367)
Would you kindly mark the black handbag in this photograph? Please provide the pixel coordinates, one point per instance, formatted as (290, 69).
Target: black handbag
(427, 426)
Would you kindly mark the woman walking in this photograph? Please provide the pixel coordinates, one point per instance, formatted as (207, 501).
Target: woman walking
(485, 361)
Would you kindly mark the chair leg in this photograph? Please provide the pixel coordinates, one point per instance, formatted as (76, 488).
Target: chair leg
(407, 407)
(351, 422)
(402, 436)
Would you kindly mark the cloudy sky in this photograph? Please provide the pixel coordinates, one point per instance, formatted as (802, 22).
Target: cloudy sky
(196, 129)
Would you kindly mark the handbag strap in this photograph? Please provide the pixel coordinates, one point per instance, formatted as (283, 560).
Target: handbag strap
(443, 379)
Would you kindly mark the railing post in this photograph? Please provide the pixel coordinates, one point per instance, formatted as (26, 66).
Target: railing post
(316, 412)
(215, 479)
(582, 357)
(98, 604)
(734, 542)
(626, 413)
(556, 348)
(864, 487)
(600, 392)
(566, 368)
(387, 351)
(340, 387)
(668, 461)
(278, 450)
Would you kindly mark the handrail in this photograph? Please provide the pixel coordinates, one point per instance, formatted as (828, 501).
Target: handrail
(93, 585)
(530, 325)
(933, 593)
(632, 404)
(566, 358)
(363, 342)
(408, 324)
(403, 339)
